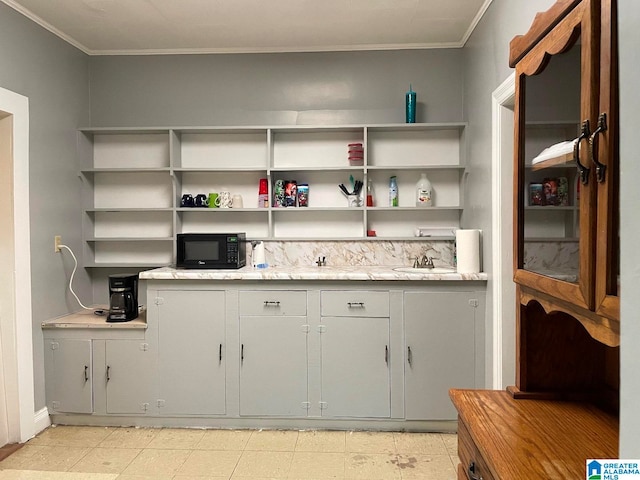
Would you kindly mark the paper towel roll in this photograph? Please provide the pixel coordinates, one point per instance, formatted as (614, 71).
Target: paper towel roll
(468, 251)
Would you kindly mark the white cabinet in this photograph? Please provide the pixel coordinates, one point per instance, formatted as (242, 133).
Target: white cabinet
(355, 354)
(440, 350)
(191, 352)
(129, 375)
(134, 180)
(70, 374)
(273, 353)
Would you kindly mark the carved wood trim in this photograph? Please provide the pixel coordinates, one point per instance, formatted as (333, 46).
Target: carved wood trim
(542, 24)
(604, 330)
(557, 41)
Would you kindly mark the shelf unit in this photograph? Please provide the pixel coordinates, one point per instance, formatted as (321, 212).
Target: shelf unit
(551, 222)
(134, 179)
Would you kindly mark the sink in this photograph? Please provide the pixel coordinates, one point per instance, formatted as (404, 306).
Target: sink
(425, 270)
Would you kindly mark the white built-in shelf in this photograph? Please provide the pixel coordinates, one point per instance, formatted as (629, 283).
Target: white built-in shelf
(134, 179)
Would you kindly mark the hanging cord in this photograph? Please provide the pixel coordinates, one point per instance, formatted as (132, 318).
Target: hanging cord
(75, 267)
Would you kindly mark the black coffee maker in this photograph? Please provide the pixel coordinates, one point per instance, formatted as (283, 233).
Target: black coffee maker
(123, 297)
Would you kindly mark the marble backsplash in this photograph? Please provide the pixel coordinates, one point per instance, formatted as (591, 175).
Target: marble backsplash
(543, 255)
(369, 253)
(552, 256)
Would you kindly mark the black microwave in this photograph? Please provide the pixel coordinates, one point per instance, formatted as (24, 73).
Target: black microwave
(211, 250)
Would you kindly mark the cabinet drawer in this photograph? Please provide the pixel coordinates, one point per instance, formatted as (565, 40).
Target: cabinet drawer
(354, 304)
(273, 302)
(470, 457)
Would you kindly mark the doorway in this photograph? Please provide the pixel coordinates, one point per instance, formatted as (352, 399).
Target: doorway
(17, 418)
(503, 293)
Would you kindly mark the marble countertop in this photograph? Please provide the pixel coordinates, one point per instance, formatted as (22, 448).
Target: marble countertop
(359, 272)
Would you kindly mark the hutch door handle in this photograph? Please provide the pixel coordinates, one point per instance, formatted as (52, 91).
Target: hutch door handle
(86, 373)
(472, 472)
(386, 354)
(108, 371)
(242, 352)
(220, 353)
(593, 147)
(582, 170)
(409, 356)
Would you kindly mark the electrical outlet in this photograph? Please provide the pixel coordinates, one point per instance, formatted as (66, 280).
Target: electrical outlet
(57, 241)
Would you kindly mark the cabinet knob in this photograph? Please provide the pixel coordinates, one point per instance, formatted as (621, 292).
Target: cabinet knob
(472, 472)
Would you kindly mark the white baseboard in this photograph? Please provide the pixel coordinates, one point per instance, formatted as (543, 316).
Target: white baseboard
(41, 420)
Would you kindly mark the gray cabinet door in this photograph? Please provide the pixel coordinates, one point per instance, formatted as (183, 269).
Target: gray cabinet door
(192, 353)
(128, 376)
(439, 351)
(355, 367)
(72, 372)
(273, 366)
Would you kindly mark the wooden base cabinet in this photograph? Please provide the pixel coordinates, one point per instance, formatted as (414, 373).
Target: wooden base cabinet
(500, 437)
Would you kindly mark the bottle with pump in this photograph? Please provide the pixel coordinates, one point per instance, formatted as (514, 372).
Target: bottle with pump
(393, 192)
(424, 192)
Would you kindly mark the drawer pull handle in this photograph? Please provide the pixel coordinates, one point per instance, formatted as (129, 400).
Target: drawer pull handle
(472, 472)
(355, 304)
(271, 303)
(409, 356)
(86, 373)
(108, 373)
(220, 353)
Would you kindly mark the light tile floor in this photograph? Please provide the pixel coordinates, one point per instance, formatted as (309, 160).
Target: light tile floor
(106, 453)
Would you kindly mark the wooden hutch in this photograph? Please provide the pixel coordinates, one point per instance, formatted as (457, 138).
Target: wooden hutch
(563, 409)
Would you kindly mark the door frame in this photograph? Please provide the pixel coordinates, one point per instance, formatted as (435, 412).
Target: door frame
(503, 290)
(17, 347)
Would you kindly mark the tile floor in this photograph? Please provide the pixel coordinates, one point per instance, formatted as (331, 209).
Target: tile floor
(106, 453)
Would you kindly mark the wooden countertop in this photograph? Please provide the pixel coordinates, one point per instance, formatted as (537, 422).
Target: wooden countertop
(87, 319)
(535, 438)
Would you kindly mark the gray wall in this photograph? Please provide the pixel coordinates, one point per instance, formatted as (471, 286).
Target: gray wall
(486, 67)
(55, 77)
(629, 38)
(272, 89)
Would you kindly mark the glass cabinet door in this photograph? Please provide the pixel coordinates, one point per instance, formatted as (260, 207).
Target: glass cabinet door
(604, 145)
(556, 111)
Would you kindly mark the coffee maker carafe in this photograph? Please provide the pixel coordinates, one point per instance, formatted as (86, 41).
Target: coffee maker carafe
(123, 297)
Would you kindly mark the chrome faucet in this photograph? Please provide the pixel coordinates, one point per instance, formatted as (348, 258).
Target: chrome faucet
(424, 262)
